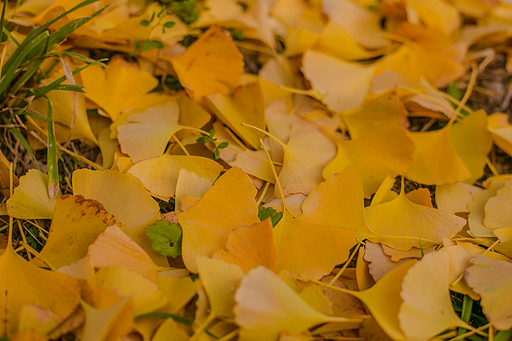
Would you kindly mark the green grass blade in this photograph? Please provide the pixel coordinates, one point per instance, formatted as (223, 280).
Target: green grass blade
(467, 307)
(22, 139)
(2, 20)
(503, 335)
(53, 153)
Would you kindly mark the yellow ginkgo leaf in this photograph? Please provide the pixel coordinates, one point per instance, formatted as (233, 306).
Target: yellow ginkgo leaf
(385, 151)
(386, 109)
(476, 209)
(436, 13)
(267, 306)
(169, 330)
(54, 292)
(250, 246)
(498, 209)
(220, 281)
(226, 206)
(501, 130)
(145, 294)
(107, 324)
(125, 197)
(435, 160)
(30, 199)
(114, 248)
(244, 105)
(402, 217)
(473, 142)
(189, 183)
(212, 64)
(324, 72)
(76, 224)
(427, 306)
(112, 88)
(307, 153)
(453, 198)
(146, 133)
(492, 278)
(179, 291)
(327, 245)
(505, 237)
(160, 175)
(338, 201)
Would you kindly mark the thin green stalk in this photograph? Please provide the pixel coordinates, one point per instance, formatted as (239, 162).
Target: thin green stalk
(467, 307)
(53, 153)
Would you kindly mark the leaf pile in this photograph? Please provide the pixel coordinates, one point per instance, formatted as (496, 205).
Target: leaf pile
(283, 170)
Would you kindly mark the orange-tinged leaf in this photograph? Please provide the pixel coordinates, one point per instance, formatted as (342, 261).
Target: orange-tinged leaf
(114, 248)
(220, 281)
(328, 246)
(125, 197)
(492, 278)
(427, 308)
(384, 151)
(402, 217)
(324, 72)
(112, 88)
(338, 201)
(212, 64)
(160, 175)
(244, 105)
(267, 306)
(54, 292)
(453, 198)
(250, 246)
(30, 199)
(307, 153)
(226, 206)
(76, 224)
(435, 160)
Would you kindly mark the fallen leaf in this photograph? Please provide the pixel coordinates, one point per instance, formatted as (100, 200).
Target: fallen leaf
(498, 208)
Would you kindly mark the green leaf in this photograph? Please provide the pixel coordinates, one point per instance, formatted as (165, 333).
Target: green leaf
(223, 145)
(147, 46)
(157, 44)
(166, 238)
(503, 335)
(144, 23)
(269, 212)
(169, 24)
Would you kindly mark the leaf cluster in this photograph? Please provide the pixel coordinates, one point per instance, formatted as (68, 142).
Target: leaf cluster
(212, 139)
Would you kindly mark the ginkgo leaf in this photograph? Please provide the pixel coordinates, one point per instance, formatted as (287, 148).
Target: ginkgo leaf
(250, 246)
(505, 237)
(125, 197)
(436, 14)
(145, 294)
(147, 133)
(427, 306)
(267, 306)
(169, 330)
(307, 153)
(435, 160)
(30, 199)
(476, 209)
(402, 217)
(324, 72)
(453, 198)
(498, 208)
(179, 291)
(220, 281)
(473, 142)
(309, 248)
(338, 201)
(160, 175)
(108, 323)
(76, 224)
(244, 105)
(501, 130)
(383, 151)
(114, 248)
(212, 64)
(386, 109)
(492, 278)
(112, 88)
(189, 183)
(54, 292)
(226, 206)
